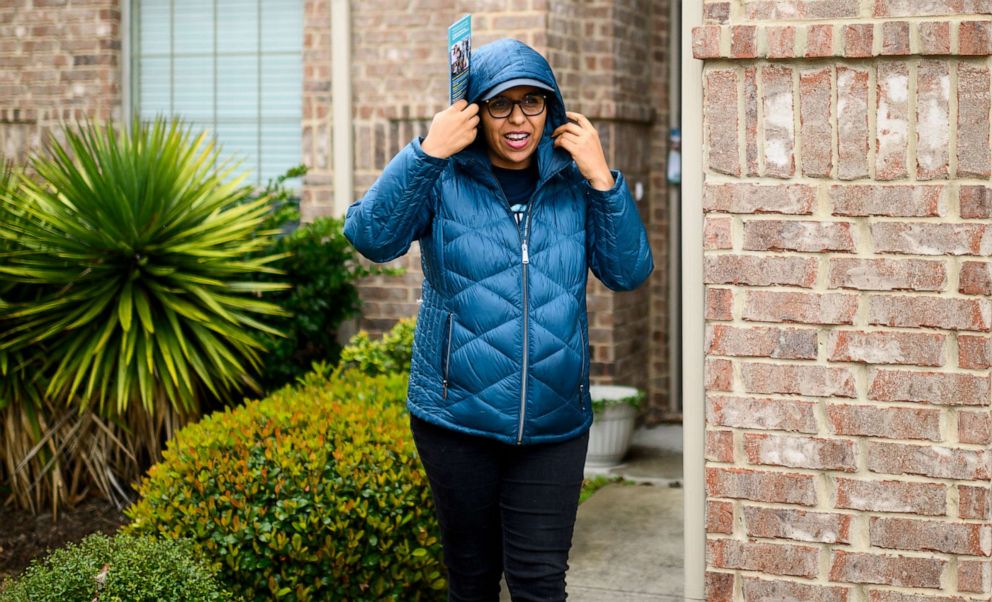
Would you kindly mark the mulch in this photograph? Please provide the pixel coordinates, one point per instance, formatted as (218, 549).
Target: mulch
(24, 536)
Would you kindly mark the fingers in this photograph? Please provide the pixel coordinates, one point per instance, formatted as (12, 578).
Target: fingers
(582, 119)
(568, 127)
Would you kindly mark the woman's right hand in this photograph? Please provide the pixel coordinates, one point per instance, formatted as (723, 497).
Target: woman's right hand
(452, 130)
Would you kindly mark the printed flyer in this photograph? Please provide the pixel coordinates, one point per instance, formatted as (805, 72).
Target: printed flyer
(459, 51)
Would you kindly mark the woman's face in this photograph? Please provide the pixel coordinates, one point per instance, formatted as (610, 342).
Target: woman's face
(513, 154)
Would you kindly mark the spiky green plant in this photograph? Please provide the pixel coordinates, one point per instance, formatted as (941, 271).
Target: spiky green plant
(126, 262)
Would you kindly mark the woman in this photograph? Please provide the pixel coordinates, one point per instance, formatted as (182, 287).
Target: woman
(512, 203)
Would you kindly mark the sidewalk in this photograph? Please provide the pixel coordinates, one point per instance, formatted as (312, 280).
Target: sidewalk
(627, 544)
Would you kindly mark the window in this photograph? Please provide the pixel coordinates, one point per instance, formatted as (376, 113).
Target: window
(233, 67)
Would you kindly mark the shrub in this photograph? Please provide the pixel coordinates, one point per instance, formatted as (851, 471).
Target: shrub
(391, 353)
(323, 271)
(313, 493)
(125, 283)
(118, 569)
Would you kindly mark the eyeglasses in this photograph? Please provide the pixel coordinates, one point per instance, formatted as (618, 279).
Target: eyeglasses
(501, 106)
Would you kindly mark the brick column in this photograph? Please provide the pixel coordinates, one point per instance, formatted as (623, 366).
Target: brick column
(848, 230)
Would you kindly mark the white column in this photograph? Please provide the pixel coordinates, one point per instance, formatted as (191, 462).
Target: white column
(342, 143)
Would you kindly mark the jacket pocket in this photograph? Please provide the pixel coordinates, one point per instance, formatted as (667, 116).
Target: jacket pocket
(446, 355)
(582, 366)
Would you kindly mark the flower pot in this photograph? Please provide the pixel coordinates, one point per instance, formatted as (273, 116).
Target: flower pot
(609, 435)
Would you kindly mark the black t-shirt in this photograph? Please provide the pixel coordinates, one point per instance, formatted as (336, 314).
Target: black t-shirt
(518, 185)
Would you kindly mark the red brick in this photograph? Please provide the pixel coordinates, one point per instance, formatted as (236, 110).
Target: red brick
(719, 303)
(890, 423)
(781, 41)
(719, 517)
(819, 40)
(895, 38)
(775, 559)
(973, 121)
(743, 41)
(878, 595)
(930, 312)
(719, 587)
(939, 388)
(756, 590)
(976, 278)
(771, 10)
(975, 201)
(929, 461)
(917, 348)
(852, 123)
(975, 427)
(800, 525)
(901, 571)
(795, 235)
(916, 8)
(706, 42)
(717, 233)
(929, 499)
(930, 536)
(719, 375)
(816, 124)
(720, 446)
(814, 381)
(975, 502)
(933, 124)
(761, 486)
(829, 9)
(716, 12)
(751, 130)
(858, 40)
(757, 270)
(974, 352)
(975, 38)
(793, 199)
(800, 452)
(935, 37)
(975, 576)
(722, 136)
(808, 308)
(928, 238)
(758, 413)
(888, 274)
(891, 200)
(778, 124)
(787, 343)
(892, 120)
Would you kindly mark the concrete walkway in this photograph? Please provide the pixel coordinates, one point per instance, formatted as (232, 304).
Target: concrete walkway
(627, 544)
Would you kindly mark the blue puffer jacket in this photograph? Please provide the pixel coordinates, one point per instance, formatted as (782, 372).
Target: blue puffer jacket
(501, 344)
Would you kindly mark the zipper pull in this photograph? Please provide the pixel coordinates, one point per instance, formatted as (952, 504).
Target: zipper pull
(523, 249)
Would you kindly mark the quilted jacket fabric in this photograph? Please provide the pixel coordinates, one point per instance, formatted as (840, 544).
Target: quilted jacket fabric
(501, 343)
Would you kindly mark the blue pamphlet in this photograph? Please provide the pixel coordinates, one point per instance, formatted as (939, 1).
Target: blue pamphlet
(459, 51)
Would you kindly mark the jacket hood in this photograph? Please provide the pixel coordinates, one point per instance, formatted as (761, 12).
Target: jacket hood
(503, 60)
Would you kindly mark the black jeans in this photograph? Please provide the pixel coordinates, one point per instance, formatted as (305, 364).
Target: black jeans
(502, 508)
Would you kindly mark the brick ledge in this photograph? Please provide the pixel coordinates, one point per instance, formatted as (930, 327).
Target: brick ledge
(848, 40)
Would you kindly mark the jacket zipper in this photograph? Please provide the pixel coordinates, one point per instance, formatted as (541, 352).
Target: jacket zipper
(582, 366)
(447, 359)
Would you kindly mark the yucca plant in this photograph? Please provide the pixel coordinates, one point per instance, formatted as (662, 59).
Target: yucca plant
(129, 255)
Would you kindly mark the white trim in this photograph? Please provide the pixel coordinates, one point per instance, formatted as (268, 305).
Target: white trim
(126, 26)
(342, 142)
(693, 390)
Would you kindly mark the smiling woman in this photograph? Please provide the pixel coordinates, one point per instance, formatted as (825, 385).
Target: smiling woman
(509, 224)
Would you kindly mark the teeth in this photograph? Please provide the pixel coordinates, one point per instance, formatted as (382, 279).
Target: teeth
(517, 136)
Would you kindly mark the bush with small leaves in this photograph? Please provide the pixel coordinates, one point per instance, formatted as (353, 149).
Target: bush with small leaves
(313, 493)
(117, 569)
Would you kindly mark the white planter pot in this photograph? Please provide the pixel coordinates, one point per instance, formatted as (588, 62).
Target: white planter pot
(609, 435)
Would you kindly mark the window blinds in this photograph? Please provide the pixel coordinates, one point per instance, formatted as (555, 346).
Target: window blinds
(232, 67)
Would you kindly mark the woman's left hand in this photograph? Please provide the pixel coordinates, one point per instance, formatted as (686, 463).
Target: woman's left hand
(581, 140)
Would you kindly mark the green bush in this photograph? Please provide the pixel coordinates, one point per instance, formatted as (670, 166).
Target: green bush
(390, 353)
(314, 493)
(323, 270)
(118, 569)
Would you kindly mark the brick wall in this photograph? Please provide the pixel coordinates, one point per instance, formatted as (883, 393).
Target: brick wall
(599, 50)
(59, 60)
(848, 230)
